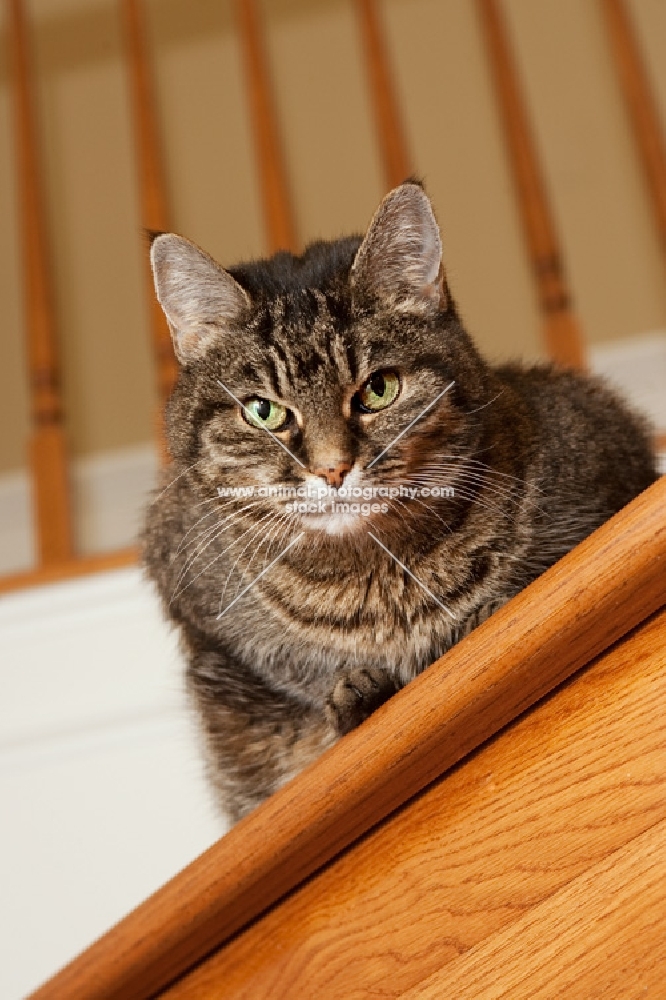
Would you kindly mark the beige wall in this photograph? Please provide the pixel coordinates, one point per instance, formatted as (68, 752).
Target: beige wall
(597, 190)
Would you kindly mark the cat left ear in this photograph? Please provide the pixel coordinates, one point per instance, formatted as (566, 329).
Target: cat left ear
(199, 298)
(400, 259)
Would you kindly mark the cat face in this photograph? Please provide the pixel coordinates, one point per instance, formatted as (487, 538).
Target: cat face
(324, 389)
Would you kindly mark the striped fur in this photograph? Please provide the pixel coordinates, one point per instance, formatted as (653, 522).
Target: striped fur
(536, 458)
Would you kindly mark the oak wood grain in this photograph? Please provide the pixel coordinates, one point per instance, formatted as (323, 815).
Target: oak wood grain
(47, 449)
(549, 799)
(641, 107)
(602, 936)
(563, 336)
(278, 210)
(596, 594)
(388, 120)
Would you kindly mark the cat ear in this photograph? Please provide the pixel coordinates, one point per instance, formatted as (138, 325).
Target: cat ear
(199, 298)
(400, 259)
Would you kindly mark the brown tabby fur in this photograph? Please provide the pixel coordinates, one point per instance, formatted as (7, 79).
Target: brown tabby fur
(537, 458)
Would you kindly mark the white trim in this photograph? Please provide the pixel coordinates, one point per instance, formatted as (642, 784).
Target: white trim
(637, 366)
(109, 493)
(16, 541)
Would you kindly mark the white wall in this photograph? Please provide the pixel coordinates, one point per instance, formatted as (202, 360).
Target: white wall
(102, 793)
(109, 493)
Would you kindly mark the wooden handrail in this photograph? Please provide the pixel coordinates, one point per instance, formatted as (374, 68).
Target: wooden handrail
(389, 127)
(152, 185)
(641, 107)
(48, 455)
(598, 592)
(563, 337)
(278, 211)
(479, 855)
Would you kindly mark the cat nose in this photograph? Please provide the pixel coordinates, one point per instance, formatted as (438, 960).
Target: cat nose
(334, 476)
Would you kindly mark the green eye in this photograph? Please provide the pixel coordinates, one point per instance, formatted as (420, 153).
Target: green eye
(380, 390)
(265, 413)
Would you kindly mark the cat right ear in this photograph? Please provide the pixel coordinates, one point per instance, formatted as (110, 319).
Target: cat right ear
(199, 298)
(399, 261)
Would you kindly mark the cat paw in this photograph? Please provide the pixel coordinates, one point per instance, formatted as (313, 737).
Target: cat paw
(356, 695)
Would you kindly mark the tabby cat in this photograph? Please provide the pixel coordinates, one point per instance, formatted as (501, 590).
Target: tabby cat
(352, 488)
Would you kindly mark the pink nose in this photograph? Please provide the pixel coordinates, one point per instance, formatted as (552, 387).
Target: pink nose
(334, 477)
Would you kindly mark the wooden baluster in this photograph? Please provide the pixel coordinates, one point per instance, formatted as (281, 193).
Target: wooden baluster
(390, 131)
(278, 213)
(641, 107)
(152, 186)
(48, 456)
(563, 336)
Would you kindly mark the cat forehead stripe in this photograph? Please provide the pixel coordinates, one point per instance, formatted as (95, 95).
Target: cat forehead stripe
(421, 414)
(249, 413)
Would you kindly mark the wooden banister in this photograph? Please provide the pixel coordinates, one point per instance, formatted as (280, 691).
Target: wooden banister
(595, 595)
(389, 127)
(278, 211)
(48, 453)
(563, 337)
(504, 876)
(152, 185)
(641, 107)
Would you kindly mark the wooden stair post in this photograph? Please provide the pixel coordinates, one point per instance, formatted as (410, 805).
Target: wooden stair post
(152, 188)
(388, 121)
(277, 206)
(48, 453)
(641, 108)
(562, 332)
